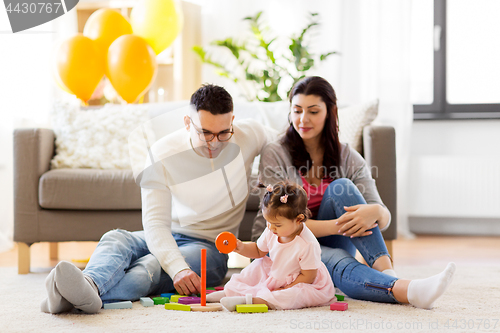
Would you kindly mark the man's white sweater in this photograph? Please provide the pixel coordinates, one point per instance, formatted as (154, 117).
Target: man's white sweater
(183, 192)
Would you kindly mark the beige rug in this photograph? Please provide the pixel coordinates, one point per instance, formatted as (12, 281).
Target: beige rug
(471, 304)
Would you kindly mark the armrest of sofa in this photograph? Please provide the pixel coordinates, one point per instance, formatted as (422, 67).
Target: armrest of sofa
(379, 147)
(33, 150)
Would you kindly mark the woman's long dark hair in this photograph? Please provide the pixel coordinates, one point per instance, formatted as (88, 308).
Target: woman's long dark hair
(315, 85)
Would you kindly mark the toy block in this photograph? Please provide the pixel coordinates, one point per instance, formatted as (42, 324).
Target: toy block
(118, 305)
(339, 297)
(338, 306)
(219, 288)
(189, 300)
(167, 295)
(160, 300)
(146, 301)
(175, 298)
(176, 306)
(247, 308)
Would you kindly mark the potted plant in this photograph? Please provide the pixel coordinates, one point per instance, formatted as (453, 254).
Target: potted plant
(263, 70)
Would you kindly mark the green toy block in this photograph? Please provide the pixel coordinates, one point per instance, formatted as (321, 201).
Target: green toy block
(175, 298)
(160, 300)
(339, 297)
(176, 306)
(244, 308)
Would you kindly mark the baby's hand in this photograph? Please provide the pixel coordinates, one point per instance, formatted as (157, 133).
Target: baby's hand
(239, 245)
(284, 287)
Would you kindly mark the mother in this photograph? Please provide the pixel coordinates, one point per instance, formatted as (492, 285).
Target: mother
(344, 218)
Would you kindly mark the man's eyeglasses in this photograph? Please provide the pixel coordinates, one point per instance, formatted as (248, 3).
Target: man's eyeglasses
(209, 136)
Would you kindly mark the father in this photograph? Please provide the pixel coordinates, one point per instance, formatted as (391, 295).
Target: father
(194, 187)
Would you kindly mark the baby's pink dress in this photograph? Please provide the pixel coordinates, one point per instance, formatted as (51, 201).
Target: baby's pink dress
(264, 276)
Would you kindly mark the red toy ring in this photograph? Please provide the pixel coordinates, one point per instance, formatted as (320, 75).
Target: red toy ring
(225, 242)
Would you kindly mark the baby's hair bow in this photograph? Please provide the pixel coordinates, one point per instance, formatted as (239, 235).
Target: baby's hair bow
(284, 198)
(269, 188)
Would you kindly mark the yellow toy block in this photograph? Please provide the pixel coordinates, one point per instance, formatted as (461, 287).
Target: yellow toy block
(175, 298)
(245, 308)
(176, 306)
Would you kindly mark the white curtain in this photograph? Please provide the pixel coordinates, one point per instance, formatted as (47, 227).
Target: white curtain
(27, 91)
(375, 63)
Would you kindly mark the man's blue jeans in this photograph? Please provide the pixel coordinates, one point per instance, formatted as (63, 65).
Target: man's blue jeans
(356, 280)
(123, 268)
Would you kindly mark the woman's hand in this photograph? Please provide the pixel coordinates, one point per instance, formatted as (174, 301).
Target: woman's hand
(358, 220)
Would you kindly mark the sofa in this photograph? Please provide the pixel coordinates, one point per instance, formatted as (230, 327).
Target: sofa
(81, 204)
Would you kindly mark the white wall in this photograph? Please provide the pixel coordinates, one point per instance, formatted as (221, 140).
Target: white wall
(457, 137)
(26, 94)
(475, 191)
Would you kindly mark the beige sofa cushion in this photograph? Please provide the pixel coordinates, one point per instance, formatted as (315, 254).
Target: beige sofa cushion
(89, 189)
(94, 189)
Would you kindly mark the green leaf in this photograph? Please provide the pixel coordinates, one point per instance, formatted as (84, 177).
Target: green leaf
(230, 45)
(257, 16)
(306, 29)
(199, 51)
(222, 73)
(326, 55)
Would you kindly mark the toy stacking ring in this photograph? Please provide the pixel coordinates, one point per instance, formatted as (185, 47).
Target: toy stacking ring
(225, 242)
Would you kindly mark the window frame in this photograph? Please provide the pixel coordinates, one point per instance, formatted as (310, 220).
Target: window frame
(440, 109)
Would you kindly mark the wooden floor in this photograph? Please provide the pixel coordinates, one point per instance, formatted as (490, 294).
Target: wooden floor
(436, 250)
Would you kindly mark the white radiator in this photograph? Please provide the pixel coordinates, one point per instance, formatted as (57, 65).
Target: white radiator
(455, 186)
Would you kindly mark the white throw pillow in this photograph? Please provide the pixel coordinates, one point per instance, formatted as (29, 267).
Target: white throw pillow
(352, 119)
(97, 138)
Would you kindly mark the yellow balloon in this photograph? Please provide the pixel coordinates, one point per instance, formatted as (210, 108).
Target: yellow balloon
(105, 25)
(60, 84)
(57, 79)
(157, 21)
(80, 65)
(131, 66)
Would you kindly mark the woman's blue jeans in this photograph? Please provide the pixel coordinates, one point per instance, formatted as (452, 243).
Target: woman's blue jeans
(356, 280)
(123, 268)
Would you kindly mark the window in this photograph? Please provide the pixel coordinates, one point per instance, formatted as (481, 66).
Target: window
(455, 51)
